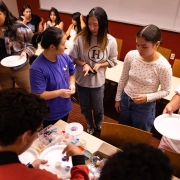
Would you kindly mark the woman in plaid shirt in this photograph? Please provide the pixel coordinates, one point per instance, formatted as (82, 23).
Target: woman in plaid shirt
(15, 39)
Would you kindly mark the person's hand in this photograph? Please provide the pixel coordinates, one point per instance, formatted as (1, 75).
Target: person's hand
(86, 69)
(38, 162)
(23, 54)
(118, 106)
(81, 16)
(65, 93)
(24, 20)
(72, 150)
(72, 88)
(139, 99)
(168, 110)
(96, 67)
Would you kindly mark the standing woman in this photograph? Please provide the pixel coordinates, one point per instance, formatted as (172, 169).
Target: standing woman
(52, 74)
(77, 25)
(144, 71)
(54, 19)
(93, 51)
(32, 20)
(15, 39)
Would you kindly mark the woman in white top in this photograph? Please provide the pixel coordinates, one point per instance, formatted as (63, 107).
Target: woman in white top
(144, 71)
(54, 19)
(77, 25)
(172, 106)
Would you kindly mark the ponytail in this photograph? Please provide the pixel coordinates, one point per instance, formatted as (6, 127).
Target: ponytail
(36, 39)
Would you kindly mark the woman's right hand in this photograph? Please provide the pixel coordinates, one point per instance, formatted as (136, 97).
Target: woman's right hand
(65, 93)
(118, 106)
(86, 69)
(24, 20)
(81, 16)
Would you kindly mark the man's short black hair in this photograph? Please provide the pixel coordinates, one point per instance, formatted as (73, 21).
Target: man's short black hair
(138, 162)
(19, 112)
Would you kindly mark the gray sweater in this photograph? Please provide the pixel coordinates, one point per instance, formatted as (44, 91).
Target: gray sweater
(91, 56)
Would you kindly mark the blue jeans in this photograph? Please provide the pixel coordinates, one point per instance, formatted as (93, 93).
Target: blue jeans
(92, 99)
(140, 116)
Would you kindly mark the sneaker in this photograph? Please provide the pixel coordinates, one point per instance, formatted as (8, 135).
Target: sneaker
(90, 131)
(98, 129)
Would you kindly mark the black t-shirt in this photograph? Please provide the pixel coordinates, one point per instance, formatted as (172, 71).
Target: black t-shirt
(34, 23)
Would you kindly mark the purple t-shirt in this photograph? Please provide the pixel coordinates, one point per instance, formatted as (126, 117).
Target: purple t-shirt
(48, 76)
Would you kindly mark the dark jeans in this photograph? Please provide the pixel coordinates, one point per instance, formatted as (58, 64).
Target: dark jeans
(92, 99)
(47, 123)
(140, 116)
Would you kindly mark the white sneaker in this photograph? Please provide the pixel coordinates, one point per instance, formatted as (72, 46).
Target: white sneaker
(90, 131)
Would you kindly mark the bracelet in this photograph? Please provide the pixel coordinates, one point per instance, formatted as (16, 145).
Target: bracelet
(72, 85)
(84, 64)
(29, 165)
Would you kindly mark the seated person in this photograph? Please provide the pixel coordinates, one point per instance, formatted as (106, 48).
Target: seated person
(138, 162)
(172, 106)
(21, 117)
(54, 19)
(77, 25)
(32, 20)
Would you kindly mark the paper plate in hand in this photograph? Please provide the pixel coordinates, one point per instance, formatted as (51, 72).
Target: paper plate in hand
(74, 129)
(12, 61)
(55, 164)
(28, 156)
(168, 125)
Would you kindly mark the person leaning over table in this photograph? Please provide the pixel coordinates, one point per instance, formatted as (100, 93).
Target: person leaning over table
(33, 21)
(15, 39)
(172, 106)
(94, 50)
(143, 72)
(21, 118)
(52, 74)
(138, 162)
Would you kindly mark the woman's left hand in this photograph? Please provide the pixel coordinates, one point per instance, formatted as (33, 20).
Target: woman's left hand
(23, 54)
(140, 98)
(72, 88)
(96, 67)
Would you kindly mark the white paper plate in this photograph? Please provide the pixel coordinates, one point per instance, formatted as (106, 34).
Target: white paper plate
(74, 129)
(168, 125)
(54, 155)
(12, 61)
(28, 156)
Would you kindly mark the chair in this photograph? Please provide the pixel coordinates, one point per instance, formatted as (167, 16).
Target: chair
(118, 134)
(176, 68)
(175, 161)
(119, 46)
(165, 52)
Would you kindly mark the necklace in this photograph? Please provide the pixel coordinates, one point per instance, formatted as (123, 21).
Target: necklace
(3, 28)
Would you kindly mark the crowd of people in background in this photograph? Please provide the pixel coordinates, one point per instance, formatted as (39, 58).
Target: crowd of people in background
(54, 76)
